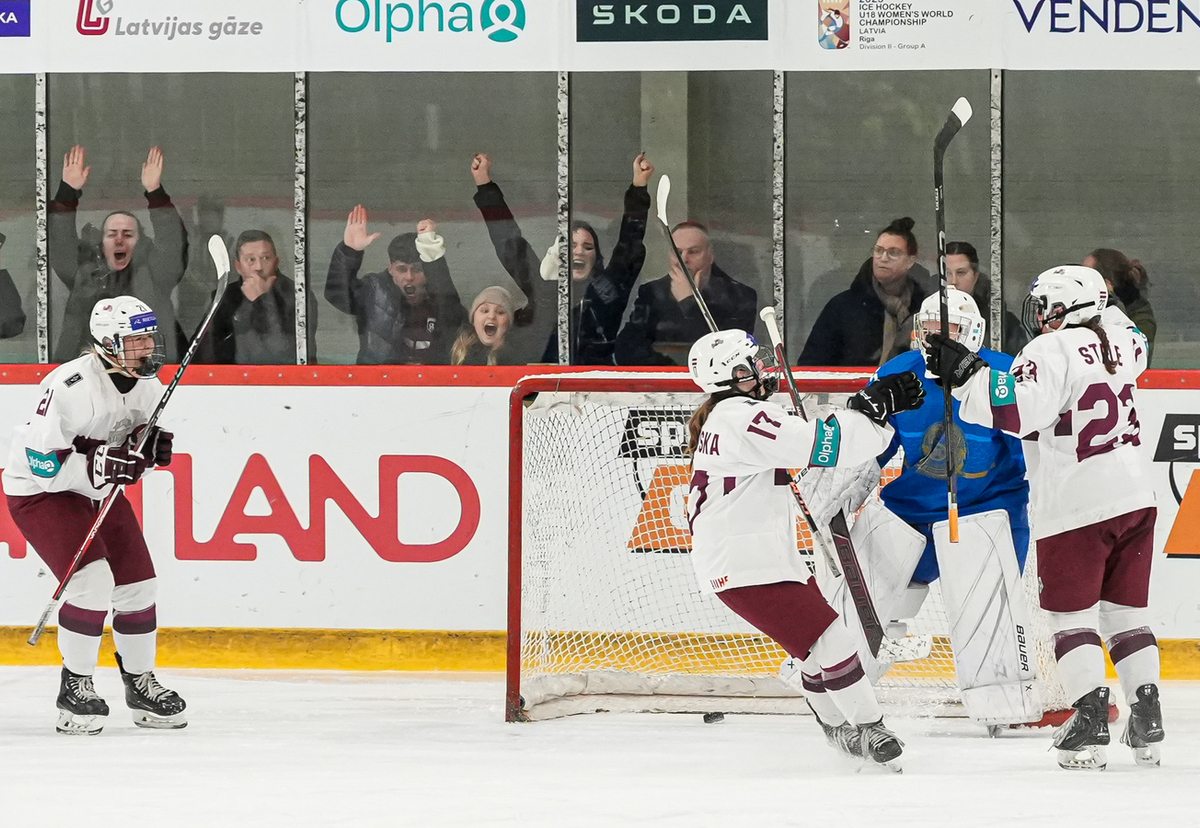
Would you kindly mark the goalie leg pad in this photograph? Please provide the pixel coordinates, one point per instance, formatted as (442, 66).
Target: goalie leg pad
(989, 619)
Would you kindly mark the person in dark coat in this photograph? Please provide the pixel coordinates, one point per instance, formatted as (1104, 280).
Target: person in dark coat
(871, 322)
(125, 262)
(1128, 288)
(255, 322)
(12, 315)
(666, 318)
(409, 313)
(962, 272)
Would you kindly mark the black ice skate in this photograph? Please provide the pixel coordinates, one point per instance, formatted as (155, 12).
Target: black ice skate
(880, 745)
(1081, 739)
(152, 704)
(80, 710)
(843, 737)
(1144, 730)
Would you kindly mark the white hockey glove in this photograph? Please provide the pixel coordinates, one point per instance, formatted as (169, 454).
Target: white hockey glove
(549, 267)
(430, 246)
(830, 490)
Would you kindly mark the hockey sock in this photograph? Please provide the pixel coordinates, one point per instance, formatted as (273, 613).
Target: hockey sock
(814, 692)
(135, 624)
(843, 677)
(1080, 661)
(79, 632)
(1131, 645)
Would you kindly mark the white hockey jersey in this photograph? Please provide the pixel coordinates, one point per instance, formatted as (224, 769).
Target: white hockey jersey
(78, 403)
(740, 507)
(1088, 465)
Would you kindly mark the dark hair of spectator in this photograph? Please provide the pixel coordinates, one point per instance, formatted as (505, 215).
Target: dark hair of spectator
(583, 225)
(104, 224)
(249, 237)
(403, 248)
(1126, 277)
(903, 227)
(961, 248)
(693, 224)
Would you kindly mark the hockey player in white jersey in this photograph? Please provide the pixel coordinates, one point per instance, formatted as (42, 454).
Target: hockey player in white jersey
(1072, 389)
(743, 519)
(77, 445)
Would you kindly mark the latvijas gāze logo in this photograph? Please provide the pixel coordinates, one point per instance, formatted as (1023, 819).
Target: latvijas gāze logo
(501, 20)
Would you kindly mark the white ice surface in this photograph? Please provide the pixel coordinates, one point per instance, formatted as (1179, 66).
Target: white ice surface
(400, 749)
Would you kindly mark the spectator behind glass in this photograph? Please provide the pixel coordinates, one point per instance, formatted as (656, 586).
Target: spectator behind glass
(127, 263)
(962, 272)
(12, 316)
(596, 317)
(484, 337)
(255, 324)
(1128, 281)
(514, 252)
(872, 321)
(666, 318)
(407, 314)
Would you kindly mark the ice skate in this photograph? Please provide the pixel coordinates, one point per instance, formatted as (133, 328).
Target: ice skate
(1082, 740)
(1144, 730)
(880, 745)
(152, 704)
(843, 737)
(80, 709)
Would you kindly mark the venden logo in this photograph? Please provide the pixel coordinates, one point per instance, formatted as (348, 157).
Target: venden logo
(14, 18)
(501, 20)
(659, 20)
(1118, 17)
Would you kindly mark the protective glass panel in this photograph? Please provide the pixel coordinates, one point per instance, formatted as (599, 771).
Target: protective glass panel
(18, 248)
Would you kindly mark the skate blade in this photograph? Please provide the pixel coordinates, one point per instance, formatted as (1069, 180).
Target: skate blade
(74, 725)
(1093, 757)
(1149, 756)
(872, 767)
(142, 718)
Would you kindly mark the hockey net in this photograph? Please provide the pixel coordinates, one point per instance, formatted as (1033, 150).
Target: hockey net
(604, 610)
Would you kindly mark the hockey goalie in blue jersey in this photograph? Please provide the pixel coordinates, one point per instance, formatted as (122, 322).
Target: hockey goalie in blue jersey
(905, 546)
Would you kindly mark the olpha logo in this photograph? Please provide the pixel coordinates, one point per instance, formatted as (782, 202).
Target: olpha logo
(827, 443)
(658, 20)
(501, 20)
(14, 18)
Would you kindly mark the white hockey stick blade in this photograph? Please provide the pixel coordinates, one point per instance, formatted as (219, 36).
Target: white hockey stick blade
(219, 253)
(664, 192)
(962, 111)
(771, 320)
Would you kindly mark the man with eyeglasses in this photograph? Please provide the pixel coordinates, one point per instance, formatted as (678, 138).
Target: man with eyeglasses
(871, 322)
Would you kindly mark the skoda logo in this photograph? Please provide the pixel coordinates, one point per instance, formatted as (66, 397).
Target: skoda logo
(502, 20)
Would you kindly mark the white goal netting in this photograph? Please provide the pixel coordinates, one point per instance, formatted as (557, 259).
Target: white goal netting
(610, 617)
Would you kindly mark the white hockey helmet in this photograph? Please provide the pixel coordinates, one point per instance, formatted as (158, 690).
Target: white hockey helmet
(1070, 294)
(720, 360)
(116, 320)
(966, 323)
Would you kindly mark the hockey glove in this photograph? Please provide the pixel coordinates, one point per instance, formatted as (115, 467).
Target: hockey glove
(119, 465)
(887, 396)
(950, 360)
(158, 445)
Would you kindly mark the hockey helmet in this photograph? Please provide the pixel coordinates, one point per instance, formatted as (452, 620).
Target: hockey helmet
(1069, 294)
(720, 360)
(966, 323)
(116, 325)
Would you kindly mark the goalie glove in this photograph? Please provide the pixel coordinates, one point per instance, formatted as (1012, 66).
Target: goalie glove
(549, 266)
(887, 396)
(950, 360)
(115, 465)
(158, 448)
(828, 491)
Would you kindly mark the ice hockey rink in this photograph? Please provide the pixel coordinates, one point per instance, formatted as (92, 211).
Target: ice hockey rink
(267, 748)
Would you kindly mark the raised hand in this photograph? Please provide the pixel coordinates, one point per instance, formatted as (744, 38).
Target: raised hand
(152, 170)
(481, 169)
(642, 170)
(75, 168)
(426, 226)
(356, 236)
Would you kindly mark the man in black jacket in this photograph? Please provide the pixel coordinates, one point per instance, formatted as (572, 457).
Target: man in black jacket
(666, 319)
(12, 316)
(408, 314)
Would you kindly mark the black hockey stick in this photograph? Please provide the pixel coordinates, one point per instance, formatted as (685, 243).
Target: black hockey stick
(851, 569)
(664, 190)
(220, 257)
(960, 113)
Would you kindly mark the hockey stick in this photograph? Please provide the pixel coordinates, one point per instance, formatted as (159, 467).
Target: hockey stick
(664, 190)
(220, 257)
(851, 569)
(960, 113)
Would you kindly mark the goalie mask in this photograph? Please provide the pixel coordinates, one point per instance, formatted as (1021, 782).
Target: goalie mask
(126, 336)
(721, 360)
(962, 314)
(1067, 295)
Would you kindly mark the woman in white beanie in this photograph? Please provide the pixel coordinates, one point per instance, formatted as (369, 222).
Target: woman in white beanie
(482, 340)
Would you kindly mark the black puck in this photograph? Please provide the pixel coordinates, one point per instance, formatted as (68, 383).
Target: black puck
(713, 718)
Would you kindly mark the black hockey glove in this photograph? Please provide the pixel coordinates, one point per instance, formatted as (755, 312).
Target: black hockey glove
(888, 395)
(950, 360)
(158, 445)
(118, 465)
